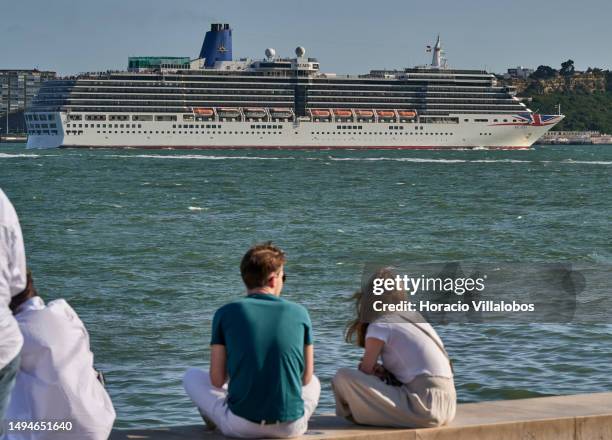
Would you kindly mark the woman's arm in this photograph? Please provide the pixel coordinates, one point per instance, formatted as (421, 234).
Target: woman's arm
(373, 347)
(218, 369)
(308, 364)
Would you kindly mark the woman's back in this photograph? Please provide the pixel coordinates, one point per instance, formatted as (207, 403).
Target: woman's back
(410, 350)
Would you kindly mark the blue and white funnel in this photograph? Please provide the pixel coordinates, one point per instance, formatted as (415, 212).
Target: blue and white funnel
(217, 44)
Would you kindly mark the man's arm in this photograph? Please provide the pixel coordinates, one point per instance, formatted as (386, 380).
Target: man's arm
(218, 365)
(308, 364)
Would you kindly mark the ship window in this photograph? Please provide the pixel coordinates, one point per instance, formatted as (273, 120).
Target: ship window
(505, 120)
(466, 120)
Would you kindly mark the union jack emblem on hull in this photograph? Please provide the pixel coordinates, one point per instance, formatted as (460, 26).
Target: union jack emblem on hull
(535, 119)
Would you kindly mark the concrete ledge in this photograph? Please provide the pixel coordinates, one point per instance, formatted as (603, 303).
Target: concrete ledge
(579, 417)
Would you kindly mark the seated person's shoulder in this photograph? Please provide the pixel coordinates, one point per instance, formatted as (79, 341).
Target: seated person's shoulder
(229, 307)
(297, 308)
(59, 310)
(60, 305)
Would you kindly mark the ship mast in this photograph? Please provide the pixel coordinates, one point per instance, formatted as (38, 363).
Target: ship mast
(436, 60)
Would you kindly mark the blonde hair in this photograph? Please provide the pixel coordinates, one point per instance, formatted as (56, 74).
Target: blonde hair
(364, 300)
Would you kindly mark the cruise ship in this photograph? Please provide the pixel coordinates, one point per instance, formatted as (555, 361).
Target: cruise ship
(216, 102)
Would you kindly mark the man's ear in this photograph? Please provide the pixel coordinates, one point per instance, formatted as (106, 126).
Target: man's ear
(272, 281)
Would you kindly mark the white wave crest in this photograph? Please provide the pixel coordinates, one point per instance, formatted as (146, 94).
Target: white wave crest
(196, 157)
(10, 156)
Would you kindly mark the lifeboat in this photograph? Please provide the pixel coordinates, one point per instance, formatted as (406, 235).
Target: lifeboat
(228, 112)
(407, 114)
(281, 113)
(203, 111)
(316, 113)
(365, 114)
(385, 114)
(255, 112)
(343, 113)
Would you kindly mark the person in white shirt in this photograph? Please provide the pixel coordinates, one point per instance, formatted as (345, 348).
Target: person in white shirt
(12, 281)
(56, 379)
(413, 386)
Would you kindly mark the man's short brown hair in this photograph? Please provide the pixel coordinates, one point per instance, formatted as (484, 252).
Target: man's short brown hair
(259, 263)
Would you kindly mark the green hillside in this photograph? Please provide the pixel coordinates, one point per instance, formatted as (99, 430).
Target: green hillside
(585, 97)
(583, 111)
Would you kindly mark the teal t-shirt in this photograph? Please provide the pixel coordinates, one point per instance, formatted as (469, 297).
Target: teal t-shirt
(264, 338)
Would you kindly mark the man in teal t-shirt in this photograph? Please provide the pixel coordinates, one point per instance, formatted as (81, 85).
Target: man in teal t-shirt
(261, 381)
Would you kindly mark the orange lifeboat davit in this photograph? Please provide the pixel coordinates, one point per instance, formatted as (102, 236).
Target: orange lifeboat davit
(228, 112)
(200, 111)
(319, 113)
(385, 114)
(343, 113)
(281, 113)
(368, 114)
(255, 112)
(407, 114)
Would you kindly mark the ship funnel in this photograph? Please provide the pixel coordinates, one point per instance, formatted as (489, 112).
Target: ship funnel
(217, 44)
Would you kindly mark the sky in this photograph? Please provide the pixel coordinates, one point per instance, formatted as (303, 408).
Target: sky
(347, 36)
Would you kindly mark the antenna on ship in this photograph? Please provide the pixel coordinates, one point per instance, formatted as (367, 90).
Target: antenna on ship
(436, 60)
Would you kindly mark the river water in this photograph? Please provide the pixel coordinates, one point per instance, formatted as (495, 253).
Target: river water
(146, 245)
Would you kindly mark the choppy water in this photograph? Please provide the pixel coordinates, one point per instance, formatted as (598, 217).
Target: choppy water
(145, 246)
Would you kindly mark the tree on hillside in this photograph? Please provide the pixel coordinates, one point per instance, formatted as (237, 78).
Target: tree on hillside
(567, 68)
(544, 72)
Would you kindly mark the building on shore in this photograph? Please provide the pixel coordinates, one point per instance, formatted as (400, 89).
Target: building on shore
(575, 137)
(518, 72)
(17, 91)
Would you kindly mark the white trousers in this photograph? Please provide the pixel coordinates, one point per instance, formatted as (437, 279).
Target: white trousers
(211, 402)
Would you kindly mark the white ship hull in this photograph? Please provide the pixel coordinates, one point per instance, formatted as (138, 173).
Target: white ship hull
(495, 133)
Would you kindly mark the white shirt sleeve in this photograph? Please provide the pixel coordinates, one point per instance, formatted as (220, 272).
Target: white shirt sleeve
(12, 251)
(12, 279)
(379, 331)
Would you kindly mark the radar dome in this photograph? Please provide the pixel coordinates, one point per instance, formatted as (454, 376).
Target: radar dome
(270, 53)
(300, 51)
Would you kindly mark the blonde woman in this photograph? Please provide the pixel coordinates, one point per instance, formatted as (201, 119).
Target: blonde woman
(405, 378)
